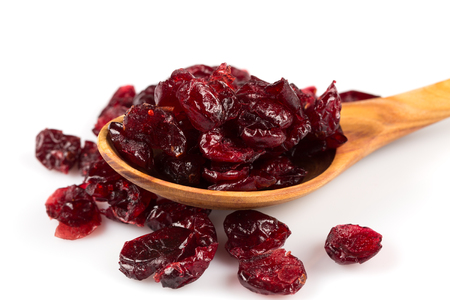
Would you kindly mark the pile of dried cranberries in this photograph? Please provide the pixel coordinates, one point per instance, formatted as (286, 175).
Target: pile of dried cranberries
(212, 127)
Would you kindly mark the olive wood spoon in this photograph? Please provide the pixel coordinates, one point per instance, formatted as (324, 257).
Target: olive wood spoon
(368, 125)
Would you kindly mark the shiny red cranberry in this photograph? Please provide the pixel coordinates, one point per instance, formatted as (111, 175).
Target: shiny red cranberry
(275, 272)
(57, 151)
(88, 155)
(251, 233)
(348, 244)
(76, 211)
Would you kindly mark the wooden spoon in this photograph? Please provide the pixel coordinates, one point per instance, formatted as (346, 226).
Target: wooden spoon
(368, 125)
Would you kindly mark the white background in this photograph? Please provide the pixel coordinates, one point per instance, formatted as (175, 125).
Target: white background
(61, 61)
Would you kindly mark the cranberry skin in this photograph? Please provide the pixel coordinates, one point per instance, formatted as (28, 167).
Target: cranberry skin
(349, 244)
(186, 271)
(166, 212)
(352, 96)
(218, 146)
(275, 272)
(284, 94)
(146, 96)
(88, 155)
(263, 138)
(216, 175)
(325, 114)
(76, 211)
(142, 257)
(117, 106)
(57, 151)
(137, 153)
(201, 104)
(200, 71)
(155, 126)
(252, 233)
(185, 170)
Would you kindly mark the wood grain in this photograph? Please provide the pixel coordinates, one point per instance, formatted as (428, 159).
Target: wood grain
(368, 125)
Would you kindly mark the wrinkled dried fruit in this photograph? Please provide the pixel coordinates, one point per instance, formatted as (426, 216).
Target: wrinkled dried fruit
(117, 106)
(251, 233)
(76, 211)
(275, 272)
(88, 155)
(155, 126)
(142, 257)
(348, 244)
(57, 151)
(230, 117)
(166, 212)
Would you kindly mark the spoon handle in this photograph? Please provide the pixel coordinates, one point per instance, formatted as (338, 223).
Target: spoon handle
(371, 124)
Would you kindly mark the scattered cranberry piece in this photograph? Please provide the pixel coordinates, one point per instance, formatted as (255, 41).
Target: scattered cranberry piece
(89, 154)
(251, 233)
(76, 211)
(57, 151)
(166, 212)
(276, 272)
(348, 244)
(142, 257)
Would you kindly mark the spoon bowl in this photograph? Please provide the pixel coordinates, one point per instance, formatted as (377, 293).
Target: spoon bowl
(368, 125)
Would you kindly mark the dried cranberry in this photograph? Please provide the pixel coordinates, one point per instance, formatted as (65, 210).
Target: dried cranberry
(325, 114)
(185, 170)
(217, 173)
(200, 71)
(284, 170)
(117, 106)
(348, 244)
(176, 255)
(352, 96)
(166, 212)
(201, 104)
(146, 96)
(283, 93)
(142, 257)
(138, 153)
(88, 155)
(76, 211)
(180, 273)
(251, 233)
(275, 272)
(217, 145)
(155, 126)
(57, 151)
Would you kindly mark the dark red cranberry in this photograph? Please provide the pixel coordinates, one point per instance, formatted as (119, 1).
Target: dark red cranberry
(219, 146)
(157, 127)
(200, 71)
(166, 212)
(117, 106)
(142, 257)
(276, 272)
(352, 96)
(325, 114)
(217, 173)
(76, 211)
(185, 170)
(146, 96)
(57, 151)
(138, 153)
(88, 155)
(251, 233)
(180, 273)
(348, 244)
